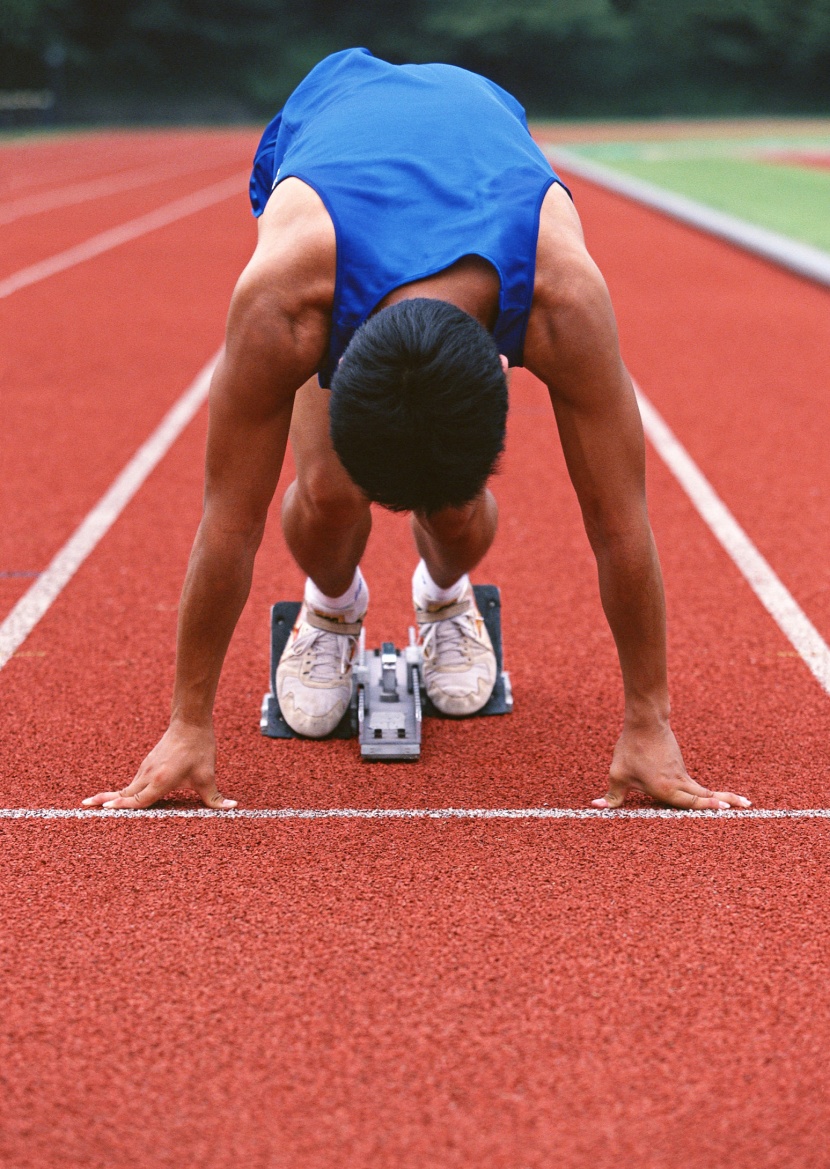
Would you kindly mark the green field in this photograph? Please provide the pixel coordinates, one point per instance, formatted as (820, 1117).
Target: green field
(791, 199)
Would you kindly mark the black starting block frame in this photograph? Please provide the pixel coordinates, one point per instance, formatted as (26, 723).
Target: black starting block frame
(284, 614)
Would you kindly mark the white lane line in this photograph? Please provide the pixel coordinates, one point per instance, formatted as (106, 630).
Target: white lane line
(803, 259)
(37, 600)
(98, 188)
(115, 236)
(768, 588)
(411, 814)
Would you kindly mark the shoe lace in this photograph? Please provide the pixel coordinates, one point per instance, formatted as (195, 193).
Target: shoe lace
(332, 655)
(450, 641)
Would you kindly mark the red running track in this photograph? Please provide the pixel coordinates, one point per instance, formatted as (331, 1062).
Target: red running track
(35, 165)
(819, 159)
(429, 993)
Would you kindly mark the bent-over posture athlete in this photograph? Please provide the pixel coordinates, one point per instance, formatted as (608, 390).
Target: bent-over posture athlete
(413, 243)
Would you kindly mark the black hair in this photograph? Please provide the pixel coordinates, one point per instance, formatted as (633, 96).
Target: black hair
(419, 405)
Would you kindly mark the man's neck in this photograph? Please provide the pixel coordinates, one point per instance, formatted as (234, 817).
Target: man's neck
(471, 284)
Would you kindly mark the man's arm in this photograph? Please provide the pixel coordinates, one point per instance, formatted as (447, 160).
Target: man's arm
(572, 346)
(272, 347)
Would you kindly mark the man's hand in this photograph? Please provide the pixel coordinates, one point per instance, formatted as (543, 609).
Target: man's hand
(185, 756)
(649, 760)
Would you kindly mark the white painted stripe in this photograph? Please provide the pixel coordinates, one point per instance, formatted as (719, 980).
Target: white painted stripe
(803, 259)
(411, 814)
(37, 601)
(99, 188)
(115, 236)
(771, 592)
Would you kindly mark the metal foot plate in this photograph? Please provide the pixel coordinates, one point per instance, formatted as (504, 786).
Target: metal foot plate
(389, 727)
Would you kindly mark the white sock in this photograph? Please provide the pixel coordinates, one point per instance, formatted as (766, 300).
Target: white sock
(426, 591)
(351, 605)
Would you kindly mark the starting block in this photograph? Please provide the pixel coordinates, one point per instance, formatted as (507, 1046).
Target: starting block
(389, 701)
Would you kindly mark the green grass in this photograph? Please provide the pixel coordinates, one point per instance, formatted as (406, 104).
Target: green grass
(789, 199)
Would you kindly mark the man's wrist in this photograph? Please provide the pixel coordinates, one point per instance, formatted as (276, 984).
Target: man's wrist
(183, 720)
(647, 713)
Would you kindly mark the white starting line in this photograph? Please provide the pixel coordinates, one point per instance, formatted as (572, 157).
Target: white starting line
(411, 814)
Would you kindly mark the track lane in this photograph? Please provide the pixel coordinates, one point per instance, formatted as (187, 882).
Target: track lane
(299, 996)
(107, 187)
(50, 162)
(64, 383)
(538, 409)
(101, 242)
(802, 158)
(42, 593)
(31, 241)
(749, 714)
(92, 364)
(733, 353)
(756, 571)
(412, 994)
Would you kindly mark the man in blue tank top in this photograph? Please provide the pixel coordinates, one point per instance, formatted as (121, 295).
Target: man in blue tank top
(413, 243)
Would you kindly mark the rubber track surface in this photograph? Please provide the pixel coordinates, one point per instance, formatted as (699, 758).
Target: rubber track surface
(36, 165)
(801, 158)
(399, 994)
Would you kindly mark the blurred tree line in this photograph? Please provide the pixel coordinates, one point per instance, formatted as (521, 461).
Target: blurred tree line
(240, 58)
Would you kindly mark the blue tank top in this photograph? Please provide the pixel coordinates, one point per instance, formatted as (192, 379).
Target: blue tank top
(417, 165)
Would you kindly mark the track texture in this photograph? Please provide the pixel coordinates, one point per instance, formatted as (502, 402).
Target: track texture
(433, 995)
(304, 995)
(804, 158)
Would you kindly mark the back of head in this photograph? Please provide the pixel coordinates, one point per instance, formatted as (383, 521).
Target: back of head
(418, 406)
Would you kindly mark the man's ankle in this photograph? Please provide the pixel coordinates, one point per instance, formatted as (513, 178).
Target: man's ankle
(350, 605)
(427, 592)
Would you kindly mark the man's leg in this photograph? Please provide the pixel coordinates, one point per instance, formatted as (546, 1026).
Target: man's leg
(326, 521)
(325, 518)
(459, 662)
(454, 540)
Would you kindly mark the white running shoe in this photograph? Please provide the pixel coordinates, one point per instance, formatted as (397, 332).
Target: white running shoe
(314, 675)
(459, 660)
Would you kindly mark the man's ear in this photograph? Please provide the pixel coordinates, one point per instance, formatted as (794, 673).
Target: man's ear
(504, 363)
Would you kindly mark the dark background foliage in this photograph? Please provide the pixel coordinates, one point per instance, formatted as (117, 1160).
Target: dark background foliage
(238, 59)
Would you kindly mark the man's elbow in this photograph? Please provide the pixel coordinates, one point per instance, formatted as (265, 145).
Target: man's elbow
(254, 318)
(580, 299)
(239, 528)
(617, 534)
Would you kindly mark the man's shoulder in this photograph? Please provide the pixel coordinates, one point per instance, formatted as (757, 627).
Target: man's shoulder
(565, 278)
(283, 299)
(297, 245)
